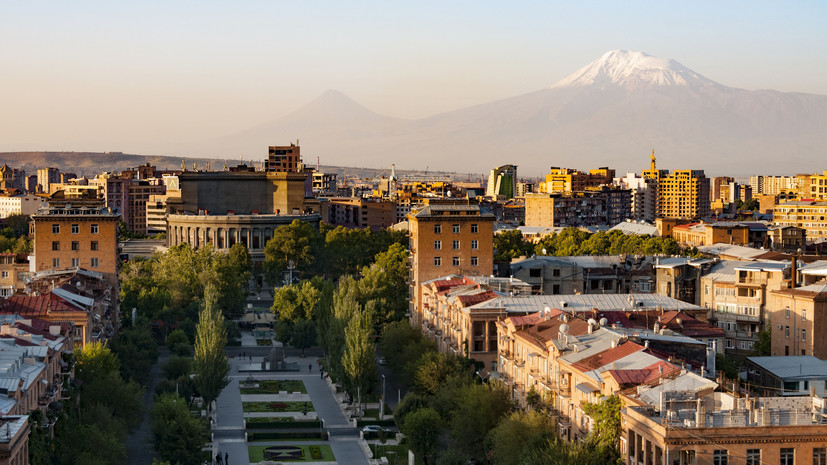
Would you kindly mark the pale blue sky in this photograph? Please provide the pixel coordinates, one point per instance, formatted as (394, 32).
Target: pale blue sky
(138, 75)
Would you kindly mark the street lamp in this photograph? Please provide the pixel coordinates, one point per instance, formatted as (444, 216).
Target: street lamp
(382, 402)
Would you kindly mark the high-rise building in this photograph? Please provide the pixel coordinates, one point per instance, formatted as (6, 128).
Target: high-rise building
(716, 184)
(602, 207)
(45, 177)
(449, 239)
(283, 158)
(818, 187)
(682, 194)
(562, 180)
(502, 181)
(643, 196)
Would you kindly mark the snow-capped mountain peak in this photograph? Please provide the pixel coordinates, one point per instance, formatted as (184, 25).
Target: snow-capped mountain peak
(632, 69)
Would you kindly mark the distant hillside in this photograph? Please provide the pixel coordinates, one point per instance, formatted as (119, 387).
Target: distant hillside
(91, 163)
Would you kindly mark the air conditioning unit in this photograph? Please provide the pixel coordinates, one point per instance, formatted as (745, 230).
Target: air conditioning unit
(779, 326)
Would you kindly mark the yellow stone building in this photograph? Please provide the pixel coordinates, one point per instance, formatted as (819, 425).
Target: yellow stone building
(682, 194)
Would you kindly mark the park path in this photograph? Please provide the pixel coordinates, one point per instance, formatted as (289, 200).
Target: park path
(139, 448)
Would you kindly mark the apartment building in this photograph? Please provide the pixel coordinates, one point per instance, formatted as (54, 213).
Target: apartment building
(13, 271)
(563, 180)
(283, 158)
(359, 212)
(643, 196)
(737, 293)
(68, 237)
(700, 234)
(448, 239)
(19, 203)
(809, 215)
(502, 181)
(602, 207)
(682, 194)
(612, 274)
(798, 320)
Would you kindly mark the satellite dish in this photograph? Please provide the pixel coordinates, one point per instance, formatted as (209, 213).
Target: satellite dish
(604, 321)
(592, 322)
(564, 328)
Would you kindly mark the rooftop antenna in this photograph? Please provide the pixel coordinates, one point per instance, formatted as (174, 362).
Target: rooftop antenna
(317, 163)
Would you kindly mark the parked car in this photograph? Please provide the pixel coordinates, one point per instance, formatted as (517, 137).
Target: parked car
(373, 429)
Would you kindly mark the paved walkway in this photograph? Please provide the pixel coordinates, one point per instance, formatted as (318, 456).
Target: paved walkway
(139, 447)
(229, 429)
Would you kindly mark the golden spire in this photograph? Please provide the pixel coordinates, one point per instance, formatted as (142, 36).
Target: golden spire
(652, 164)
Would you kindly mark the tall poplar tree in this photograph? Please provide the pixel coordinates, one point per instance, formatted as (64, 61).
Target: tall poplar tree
(210, 362)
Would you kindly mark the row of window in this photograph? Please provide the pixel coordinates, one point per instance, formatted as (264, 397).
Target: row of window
(803, 313)
(455, 261)
(75, 229)
(93, 245)
(786, 456)
(93, 262)
(455, 245)
(787, 333)
(455, 228)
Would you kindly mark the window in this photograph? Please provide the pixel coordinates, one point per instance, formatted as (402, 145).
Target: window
(555, 272)
(787, 332)
(706, 289)
(55, 263)
(754, 457)
(475, 229)
(455, 261)
(455, 229)
(5, 274)
(55, 245)
(819, 456)
(787, 456)
(93, 245)
(94, 262)
(475, 245)
(437, 229)
(803, 334)
(437, 245)
(75, 245)
(75, 229)
(455, 245)
(437, 261)
(787, 312)
(555, 289)
(94, 229)
(75, 262)
(55, 229)
(475, 261)
(804, 314)
(719, 457)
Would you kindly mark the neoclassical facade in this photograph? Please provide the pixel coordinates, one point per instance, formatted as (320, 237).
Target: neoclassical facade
(222, 231)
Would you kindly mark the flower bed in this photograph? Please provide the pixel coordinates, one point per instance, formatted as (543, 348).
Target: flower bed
(275, 387)
(277, 407)
(264, 342)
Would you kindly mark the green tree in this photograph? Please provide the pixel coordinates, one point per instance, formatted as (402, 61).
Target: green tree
(210, 362)
(434, 369)
(410, 403)
(295, 302)
(304, 335)
(479, 410)
(178, 436)
(605, 435)
(763, 348)
(232, 272)
(137, 351)
(422, 428)
(510, 244)
(507, 441)
(385, 282)
(358, 360)
(297, 243)
(18, 225)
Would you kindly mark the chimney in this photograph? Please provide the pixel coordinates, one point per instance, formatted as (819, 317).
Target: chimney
(646, 345)
(794, 273)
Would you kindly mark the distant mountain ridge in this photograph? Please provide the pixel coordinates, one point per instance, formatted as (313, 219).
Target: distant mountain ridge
(612, 112)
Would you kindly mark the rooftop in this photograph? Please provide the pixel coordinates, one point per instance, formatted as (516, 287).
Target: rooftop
(791, 367)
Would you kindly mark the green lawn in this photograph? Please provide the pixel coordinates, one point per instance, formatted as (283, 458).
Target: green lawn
(257, 454)
(401, 457)
(274, 387)
(277, 406)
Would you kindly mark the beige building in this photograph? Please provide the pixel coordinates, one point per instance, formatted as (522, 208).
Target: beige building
(738, 294)
(18, 203)
(809, 215)
(69, 237)
(562, 180)
(799, 321)
(448, 239)
(682, 194)
(700, 234)
(13, 271)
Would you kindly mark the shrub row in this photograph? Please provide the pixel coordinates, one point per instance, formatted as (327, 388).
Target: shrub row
(299, 424)
(274, 435)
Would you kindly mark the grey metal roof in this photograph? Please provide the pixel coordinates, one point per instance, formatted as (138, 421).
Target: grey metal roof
(586, 302)
(639, 228)
(746, 253)
(764, 266)
(793, 366)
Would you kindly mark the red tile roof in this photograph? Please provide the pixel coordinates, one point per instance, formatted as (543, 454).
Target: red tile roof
(608, 356)
(473, 299)
(644, 375)
(36, 306)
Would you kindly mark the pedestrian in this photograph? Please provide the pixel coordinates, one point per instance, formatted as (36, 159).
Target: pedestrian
(226, 458)
(310, 367)
(218, 458)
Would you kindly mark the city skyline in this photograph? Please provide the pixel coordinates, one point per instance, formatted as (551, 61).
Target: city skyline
(150, 77)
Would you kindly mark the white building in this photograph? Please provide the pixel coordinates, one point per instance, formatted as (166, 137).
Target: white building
(20, 204)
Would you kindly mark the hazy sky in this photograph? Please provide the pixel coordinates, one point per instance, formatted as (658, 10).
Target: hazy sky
(142, 76)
